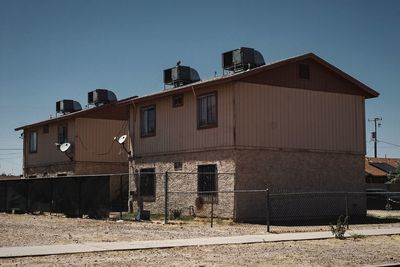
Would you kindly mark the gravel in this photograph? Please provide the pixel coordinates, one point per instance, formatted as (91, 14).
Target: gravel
(24, 230)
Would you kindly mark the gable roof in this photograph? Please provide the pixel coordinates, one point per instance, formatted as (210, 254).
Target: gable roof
(365, 90)
(373, 165)
(112, 111)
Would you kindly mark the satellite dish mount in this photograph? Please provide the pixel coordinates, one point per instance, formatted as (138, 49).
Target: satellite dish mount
(64, 148)
(121, 140)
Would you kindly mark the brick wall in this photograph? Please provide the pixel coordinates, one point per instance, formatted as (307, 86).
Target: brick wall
(184, 181)
(299, 171)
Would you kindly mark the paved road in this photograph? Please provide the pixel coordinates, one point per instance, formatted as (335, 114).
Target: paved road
(11, 252)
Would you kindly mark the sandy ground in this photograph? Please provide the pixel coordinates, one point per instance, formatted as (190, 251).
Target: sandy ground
(331, 252)
(23, 230)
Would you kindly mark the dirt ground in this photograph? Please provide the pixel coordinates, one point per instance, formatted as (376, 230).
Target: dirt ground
(23, 230)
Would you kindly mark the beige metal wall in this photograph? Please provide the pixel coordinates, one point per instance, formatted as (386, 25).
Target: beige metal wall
(94, 140)
(278, 117)
(47, 151)
(176, 128)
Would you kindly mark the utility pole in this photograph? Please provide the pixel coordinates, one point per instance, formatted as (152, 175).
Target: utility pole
(375, 134)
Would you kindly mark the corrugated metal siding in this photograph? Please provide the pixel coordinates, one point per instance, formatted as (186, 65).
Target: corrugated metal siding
(321, 78)
(48, 152)
(176, 128)
(278, 117)
(94, 140)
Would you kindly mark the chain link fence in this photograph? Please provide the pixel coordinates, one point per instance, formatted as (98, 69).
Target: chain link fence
(94, 196)
(210, 199)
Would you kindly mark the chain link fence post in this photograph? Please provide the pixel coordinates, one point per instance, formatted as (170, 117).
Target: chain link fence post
(120, 196)
(27, 197)
(212, 210)
(6, 197)
(268, 210)
(347, 209)
(166, 198)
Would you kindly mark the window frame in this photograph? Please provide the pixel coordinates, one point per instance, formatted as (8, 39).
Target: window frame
(35, 150)
(175, 105)
(65, 140)
(145, 173)
(46, 129)
(142, 111)
(207, 197)
(178, 166)
(299, 72)
(207, 125)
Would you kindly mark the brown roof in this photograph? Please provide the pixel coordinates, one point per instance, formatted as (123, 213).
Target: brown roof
(112, 111)
(365, 90)
(374, 171)
(106, 114)
(9, 177)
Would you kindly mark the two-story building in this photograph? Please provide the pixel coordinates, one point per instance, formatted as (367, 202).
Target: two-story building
(90, 135)
(296, 125)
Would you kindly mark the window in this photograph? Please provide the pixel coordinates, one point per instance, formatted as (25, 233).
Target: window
(148, 121)
(62, 134)
(46, 129)
(177, 166)
(33, 142)
(304, 71)
(207, 181)
(148, 184)
(207, 110)
(177, 101)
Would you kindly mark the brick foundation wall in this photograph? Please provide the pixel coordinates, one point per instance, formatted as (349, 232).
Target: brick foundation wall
(298, 171)
(184, 181)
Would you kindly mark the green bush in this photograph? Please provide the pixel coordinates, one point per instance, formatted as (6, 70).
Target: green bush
(340, 228)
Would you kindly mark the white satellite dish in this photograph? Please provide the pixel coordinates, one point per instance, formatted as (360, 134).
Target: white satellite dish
(64, 147)
(122, 139)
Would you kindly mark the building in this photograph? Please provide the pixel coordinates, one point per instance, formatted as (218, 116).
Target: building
(296, 125)
(90, 133)
(377, 171)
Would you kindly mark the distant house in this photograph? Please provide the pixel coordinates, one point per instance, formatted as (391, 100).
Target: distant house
(90, 133)
(378, 169)
(296, 125)
(8, 177)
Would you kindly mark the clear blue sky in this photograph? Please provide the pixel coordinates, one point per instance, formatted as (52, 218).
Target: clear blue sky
(53, 50)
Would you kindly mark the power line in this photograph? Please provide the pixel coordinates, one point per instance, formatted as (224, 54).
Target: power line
(381, 141)
(11, 149)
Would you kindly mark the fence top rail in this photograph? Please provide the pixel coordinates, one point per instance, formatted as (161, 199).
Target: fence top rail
(275, 194)
(215, 192)
(180, 172)
(66, 176)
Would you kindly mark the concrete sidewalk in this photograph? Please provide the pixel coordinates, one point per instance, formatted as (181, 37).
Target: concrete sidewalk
(10, 252)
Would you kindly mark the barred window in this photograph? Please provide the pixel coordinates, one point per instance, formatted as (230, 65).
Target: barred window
(148, 184)
(207, 181)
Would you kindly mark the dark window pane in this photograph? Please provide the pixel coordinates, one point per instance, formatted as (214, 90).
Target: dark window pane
(148, 121)
(33, 142)
(304, 71)
(207, 110)
(177, 101)
(62, 134)
(147, 182)
(207, 181)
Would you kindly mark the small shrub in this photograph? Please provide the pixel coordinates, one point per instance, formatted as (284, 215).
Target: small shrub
(339, 229)
(175, 214)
